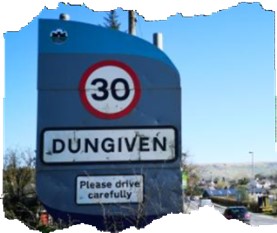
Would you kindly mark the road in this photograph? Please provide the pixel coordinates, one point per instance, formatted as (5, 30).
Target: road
(256, 219)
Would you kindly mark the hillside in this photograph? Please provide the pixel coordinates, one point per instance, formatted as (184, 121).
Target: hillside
(236, 171)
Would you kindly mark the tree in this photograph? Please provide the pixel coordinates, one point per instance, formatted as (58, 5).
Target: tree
(243, 181)
(260, 176)
(220, 184)
(111, 20)
(242, 193)
(20, 201)
(192, 172)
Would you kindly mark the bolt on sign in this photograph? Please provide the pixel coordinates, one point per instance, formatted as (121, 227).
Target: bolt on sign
(108, 127)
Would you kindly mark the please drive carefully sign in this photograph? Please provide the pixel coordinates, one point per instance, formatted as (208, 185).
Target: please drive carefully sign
(109, 189)
(106, 145)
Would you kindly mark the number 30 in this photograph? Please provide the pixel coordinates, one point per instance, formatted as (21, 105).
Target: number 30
(103, 89)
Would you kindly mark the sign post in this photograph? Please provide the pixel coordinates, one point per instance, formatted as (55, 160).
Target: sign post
(109, 127)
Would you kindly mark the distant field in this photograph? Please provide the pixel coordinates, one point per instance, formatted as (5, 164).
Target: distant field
(235, 171)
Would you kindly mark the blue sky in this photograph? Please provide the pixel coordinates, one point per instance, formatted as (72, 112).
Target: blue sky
(226, 64)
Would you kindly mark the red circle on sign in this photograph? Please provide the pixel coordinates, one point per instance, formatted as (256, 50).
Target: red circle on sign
(95, 109)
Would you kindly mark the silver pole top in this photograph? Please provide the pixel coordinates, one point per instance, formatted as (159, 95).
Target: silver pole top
(64, 17)
(158, 40)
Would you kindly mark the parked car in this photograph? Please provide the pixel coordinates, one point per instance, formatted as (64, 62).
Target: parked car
(205, 202)
(240, 213)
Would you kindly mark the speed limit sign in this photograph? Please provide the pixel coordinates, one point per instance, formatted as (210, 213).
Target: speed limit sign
(109, 89)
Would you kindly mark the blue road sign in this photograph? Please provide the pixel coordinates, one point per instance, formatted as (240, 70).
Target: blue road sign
(109, 127)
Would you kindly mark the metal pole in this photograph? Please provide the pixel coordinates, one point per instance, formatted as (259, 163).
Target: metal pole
(132, 22)
(158, 40)
(64, 17)
(252, 169)
(252, 164)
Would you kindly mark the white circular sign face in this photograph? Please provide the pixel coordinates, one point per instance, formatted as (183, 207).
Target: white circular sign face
(109, 89)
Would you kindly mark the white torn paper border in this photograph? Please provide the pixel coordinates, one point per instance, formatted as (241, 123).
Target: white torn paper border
(16, 14)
